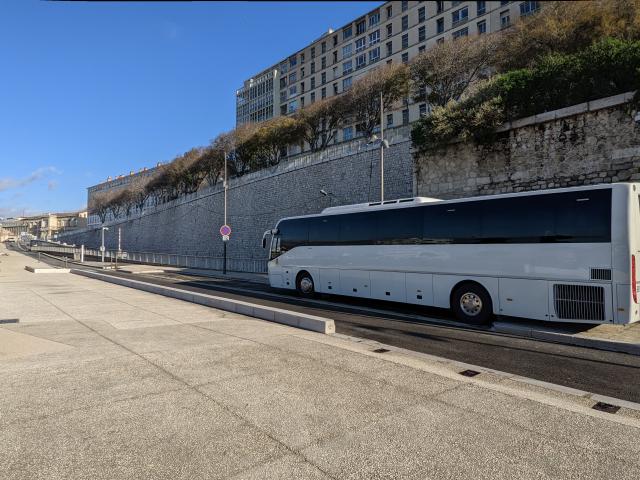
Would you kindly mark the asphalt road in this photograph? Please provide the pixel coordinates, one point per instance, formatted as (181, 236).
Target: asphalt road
(606, 373)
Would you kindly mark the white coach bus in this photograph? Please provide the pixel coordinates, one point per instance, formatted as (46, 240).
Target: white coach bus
(558, 255)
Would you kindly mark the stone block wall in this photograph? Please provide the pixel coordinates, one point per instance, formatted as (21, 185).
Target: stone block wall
(350, 172)
(585, 144)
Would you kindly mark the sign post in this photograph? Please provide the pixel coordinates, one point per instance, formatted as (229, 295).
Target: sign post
(225, 231)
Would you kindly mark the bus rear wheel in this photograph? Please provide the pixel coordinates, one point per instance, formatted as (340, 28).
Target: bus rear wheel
(471, 304)
(305, 285)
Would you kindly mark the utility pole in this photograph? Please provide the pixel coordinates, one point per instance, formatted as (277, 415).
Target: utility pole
(381, 149)
(102, 245)
(224, 242)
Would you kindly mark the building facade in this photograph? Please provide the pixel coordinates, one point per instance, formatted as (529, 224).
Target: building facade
(397, 31)
(46, 226)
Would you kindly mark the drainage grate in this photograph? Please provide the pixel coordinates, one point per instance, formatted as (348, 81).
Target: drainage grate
(606, 407)
(381, 350)
(469, 373)
(9, 320)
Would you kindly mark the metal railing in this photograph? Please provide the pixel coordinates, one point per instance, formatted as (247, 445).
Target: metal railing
(236, 264)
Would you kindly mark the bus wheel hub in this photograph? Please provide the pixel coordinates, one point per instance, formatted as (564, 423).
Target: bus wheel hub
(306, 284)
(471, 304)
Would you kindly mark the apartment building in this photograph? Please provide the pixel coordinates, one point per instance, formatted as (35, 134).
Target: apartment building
(397, 31)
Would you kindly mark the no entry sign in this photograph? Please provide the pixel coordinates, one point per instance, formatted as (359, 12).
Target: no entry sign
(225, 230)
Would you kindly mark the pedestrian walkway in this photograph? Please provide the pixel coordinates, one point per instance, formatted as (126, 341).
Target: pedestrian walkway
(102, 381)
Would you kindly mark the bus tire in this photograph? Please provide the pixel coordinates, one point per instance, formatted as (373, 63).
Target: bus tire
(305, 285)
(472, 304)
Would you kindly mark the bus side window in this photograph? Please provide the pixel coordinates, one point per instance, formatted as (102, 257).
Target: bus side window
(452, 223)
(293, 233)
(583, 216)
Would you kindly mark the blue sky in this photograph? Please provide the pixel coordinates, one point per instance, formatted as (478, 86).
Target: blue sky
(89, 90)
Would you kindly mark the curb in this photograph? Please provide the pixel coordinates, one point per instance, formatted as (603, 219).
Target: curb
(46, 270)
(277, 315)
(528, 331)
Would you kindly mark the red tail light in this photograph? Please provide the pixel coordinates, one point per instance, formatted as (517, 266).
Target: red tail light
(634, 293)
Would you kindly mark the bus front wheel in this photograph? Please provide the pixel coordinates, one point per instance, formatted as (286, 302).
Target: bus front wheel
(471, 304)
(305, 285)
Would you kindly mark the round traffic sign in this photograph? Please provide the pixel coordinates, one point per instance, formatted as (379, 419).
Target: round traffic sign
(225, 230)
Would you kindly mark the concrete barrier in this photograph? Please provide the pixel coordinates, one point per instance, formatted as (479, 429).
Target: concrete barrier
(277, 315)
(46, 270)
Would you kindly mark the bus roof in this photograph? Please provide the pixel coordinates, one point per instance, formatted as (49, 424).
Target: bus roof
(414, 201)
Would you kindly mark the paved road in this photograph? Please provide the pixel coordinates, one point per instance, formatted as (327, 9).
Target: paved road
(606, 373)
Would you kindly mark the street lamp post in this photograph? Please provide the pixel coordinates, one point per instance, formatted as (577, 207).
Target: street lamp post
(383, 144)
(224, 242)
(102, 245)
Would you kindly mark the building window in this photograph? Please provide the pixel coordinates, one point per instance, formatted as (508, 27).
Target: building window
(292, 77)
(361, 44)
(313, 83)
(323, 62)
(505, 19)
(293, 61)
(374, 55)
(335, 72)
(405, 116)
(347, 32)
(361, 26)
(529, 7)
(421, 49)
(389, 119)
(347, 51)
(405, 58)
(482, 27)
(302, 87)
(323, 92)
(313, 52)
(439, 7)
(463, 32)
(389, 30)
(405, 23)
(422, 16)
(335, 89)
(423, 109)
(283, 82)
(347, 67)
(460, 16)
(324, 47)
(335, 40)
(302, 58)
(374, 19)
(346, 83)
(405, 5)
(481, 7)
(374, 37)
(293, 90)
(301, 102)
(347, 133)
(389, 48)
(440, 25)
(302, 72)
(361, 61)
(335, 56)
(313, 97)
(313, 67)
(422, 34)
(284, 67)
(405, 41)
(389, 11)
(293, 106)
(283, 96)
(323, 78)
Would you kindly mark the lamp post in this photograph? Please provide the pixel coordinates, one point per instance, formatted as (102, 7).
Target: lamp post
(331, 195)
(102, 245)
(383, 144)
(224, 242)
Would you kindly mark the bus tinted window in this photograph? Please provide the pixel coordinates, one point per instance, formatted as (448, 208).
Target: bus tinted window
(398, 226)
(518, 219)
(357, 228)
(452, 223)
(583, 216)
(324, 230)
(293, 233)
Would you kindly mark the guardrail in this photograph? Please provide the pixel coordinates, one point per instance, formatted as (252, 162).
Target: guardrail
(235, 264)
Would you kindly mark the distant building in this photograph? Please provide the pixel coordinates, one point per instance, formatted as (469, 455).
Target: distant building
(46, 226)
(394, 32)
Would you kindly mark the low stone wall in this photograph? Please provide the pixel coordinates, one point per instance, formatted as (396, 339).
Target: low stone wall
(350, 172)
(595, 142)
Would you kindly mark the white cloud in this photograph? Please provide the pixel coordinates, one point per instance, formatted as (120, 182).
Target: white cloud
(9, 183)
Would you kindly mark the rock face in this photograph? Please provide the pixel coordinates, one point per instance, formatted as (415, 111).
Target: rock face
(595, 146)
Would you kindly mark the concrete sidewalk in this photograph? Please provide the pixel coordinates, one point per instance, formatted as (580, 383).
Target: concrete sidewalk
(102, 381)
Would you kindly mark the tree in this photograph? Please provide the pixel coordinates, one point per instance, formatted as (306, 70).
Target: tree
(320, 121)
(363, 98)
(243, 147)
(272, 138)
(447, 70)
(99, 204)
(211, 161)
(160, 186)
(185, 172)
(139, 192)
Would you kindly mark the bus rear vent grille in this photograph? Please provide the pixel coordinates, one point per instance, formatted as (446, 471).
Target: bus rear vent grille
(579, 302)
(600, 274)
